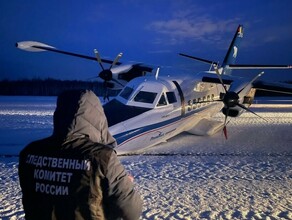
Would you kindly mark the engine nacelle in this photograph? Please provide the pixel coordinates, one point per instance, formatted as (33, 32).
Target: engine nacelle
(248, 99)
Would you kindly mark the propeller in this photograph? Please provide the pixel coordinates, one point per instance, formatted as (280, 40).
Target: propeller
(106, 74)
(231, 99)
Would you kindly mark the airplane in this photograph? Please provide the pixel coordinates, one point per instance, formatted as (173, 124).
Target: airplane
(150, 109)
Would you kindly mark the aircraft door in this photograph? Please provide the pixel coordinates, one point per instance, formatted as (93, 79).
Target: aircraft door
(182, 99)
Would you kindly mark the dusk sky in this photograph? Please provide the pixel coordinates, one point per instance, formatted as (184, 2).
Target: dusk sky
(152, 32)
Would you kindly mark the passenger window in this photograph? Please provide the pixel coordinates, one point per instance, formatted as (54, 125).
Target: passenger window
(204, 100)
(162, 101)
(194, 103)
(199, 102)
(171, 97)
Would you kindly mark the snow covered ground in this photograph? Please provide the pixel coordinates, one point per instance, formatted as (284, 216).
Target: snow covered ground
(248, 176)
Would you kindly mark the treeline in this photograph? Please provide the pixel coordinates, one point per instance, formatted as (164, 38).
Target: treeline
(48, 87)
(53, 87)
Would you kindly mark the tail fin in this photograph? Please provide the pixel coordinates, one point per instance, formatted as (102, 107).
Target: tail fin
(233, 50)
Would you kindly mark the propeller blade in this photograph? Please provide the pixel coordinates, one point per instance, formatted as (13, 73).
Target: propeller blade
(254, 79)
(98, 58)
(247, 109)
(225, 132)
(225, 123)
(219, 76)
(117, 81)
(116, 60)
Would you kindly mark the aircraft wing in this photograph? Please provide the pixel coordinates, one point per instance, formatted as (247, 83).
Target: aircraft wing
(211, 78)
(274, 87)
(115, 77)
(34, 46)
(255, 66)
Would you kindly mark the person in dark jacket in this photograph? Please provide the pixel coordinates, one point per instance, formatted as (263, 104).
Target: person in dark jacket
(75, 173)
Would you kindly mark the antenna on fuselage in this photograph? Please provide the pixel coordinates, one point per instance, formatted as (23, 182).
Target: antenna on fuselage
(157, 73)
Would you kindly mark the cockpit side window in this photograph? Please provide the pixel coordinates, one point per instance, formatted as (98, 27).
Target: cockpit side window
(171, 97)
(162, 101)
(146, 97)
(126, 93)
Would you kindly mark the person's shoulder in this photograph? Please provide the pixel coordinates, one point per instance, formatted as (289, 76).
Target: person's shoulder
(35, 146)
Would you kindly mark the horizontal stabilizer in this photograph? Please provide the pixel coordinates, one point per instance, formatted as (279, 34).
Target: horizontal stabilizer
(283, 88)
(252, 67)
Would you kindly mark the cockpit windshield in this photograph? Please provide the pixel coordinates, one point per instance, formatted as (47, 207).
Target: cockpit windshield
(126, 93)
(148, 93)
(145, 97)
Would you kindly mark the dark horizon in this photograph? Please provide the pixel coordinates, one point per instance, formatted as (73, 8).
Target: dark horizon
(49, 87)
(53, 87)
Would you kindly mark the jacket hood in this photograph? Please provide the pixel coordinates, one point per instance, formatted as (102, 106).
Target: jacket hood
(80, 113)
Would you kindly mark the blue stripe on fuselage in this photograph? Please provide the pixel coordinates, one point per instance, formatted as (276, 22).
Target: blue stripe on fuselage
(126, 136)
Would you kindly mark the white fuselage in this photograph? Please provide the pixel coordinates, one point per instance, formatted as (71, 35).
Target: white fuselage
(149, 111)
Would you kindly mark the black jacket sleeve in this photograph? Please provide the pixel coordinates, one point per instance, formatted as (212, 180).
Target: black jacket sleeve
(123, 200)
